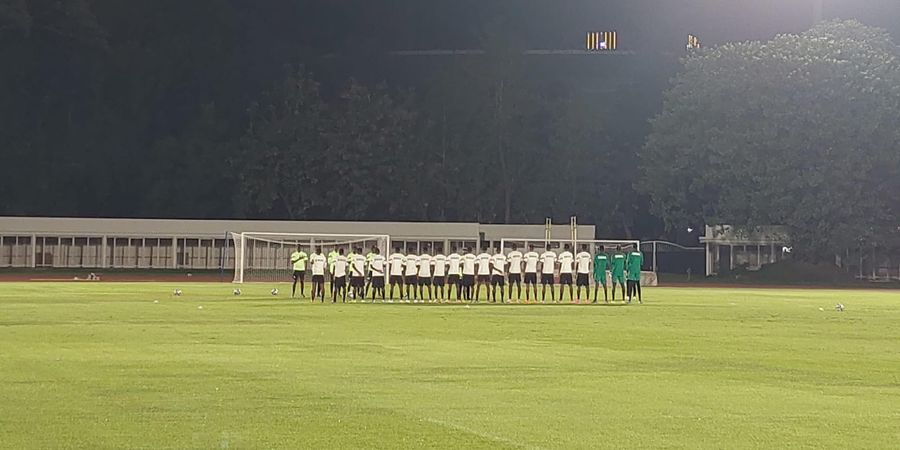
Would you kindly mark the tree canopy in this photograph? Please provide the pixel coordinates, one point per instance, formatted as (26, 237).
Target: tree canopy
(798, 131)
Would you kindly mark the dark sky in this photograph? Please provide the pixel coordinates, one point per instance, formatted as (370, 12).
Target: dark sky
(643, 24)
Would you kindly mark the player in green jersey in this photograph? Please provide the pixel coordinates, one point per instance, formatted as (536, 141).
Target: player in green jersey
(298, 261)
(332, 256)
(618, 271)
(633, 261)
(601, 262)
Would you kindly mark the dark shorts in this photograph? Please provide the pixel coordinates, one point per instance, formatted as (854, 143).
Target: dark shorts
(438, 281)
(600, 280)
(582, 279)
(358, 282)
(547, 278)
(565, 278)
(468, 280)
(299, 275)
(453, 279)
(424, 281)
(617, 278)
(515, 278)
(396, 279)
(484, 278)
(531, 278)
(497, 280)
(411, 279)
(318, 278)
(339, 281)
(378, 282)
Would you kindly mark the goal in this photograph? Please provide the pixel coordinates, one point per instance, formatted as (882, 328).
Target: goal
(266, 257)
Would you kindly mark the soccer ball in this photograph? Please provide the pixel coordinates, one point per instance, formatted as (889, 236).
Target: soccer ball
(237, 292)
(275, 291)
(839, 307)
(177, 292)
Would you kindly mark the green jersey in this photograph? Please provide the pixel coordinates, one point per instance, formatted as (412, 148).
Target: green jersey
(601, 261)
(634, 261)
(332, 255)
(618, 264)
(298, 260)
(369, 257)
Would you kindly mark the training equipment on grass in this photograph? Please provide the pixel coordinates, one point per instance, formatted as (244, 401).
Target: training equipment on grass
(266, 257)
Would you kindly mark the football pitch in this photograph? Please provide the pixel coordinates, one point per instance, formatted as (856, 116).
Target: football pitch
(129, 365)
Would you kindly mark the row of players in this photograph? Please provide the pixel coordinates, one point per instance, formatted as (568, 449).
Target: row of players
(435, 276)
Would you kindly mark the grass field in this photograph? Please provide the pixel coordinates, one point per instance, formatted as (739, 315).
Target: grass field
(93, 365)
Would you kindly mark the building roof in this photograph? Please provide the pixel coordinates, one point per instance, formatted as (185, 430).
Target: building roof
(86, 227)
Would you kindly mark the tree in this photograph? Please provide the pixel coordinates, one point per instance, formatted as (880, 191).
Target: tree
(798, 131)
(303, 158)
(283, 151)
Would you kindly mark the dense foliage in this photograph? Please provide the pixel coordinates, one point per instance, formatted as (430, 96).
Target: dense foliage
(230, 108)
(799, 131)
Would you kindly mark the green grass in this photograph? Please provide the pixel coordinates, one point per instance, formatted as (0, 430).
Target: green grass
(89, 365)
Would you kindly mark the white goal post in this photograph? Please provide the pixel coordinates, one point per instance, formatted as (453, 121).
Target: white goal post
(265, 257)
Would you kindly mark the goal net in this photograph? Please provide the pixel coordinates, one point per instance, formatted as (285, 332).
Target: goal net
(266, 257)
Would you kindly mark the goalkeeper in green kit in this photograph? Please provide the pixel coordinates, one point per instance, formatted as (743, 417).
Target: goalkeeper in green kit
(634, 260)
(618, 272)
(601, 262)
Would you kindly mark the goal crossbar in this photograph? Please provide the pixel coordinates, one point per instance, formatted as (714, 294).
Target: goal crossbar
(266, 255)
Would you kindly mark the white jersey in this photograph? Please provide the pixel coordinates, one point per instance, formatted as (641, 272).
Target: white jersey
(583, 261)
(358, 265)
(468, 264)
(498, 264)
(440, 265)
(412, 265)
(318, 262)
(566, 260)
(376, 265)
(340, 266)
(397, 260)
(484, 264)
(531, 262)
(425, 266)
(515, 261)
(548, 262)
(453, 263)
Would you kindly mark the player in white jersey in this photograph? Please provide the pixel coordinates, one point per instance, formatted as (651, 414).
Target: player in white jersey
(318, 264)
(583, 272)
(532, 258)
(484, 273)
(424, 276)
(454, 274)
(498, 275)
(468, 273)
(358, 274)
(397, 261)
(439, 275)
(514, 258)
(410, 276)
(339, 272)
(566, 267)
(548, 270)
(376, 273)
